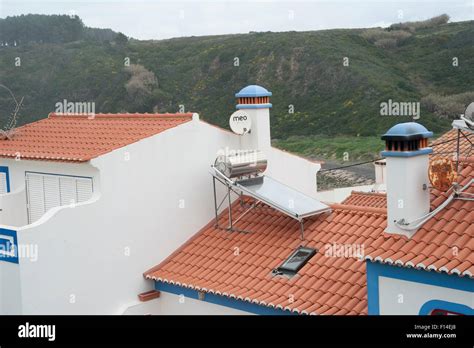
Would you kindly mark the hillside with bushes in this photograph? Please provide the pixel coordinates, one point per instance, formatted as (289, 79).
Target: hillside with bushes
(328, 82)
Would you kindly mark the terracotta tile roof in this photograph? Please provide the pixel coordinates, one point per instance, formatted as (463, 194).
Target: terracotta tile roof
(79, 138)
(240, 265)
(446, 145)
(366, 199)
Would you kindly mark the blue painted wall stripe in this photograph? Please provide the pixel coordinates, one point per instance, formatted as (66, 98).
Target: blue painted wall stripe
(253, 106)
(376, 270)
(244, 306)
(449, 306)
(5, 170)
(9, 233)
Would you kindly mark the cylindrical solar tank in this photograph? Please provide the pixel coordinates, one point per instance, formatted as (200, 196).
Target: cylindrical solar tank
(241, 163)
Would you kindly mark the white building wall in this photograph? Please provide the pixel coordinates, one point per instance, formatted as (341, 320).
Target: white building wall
(10, 288)
(154, 195)
(294, 171)
(171, 304)
(339, 194)
(413, 296)
(13, 208)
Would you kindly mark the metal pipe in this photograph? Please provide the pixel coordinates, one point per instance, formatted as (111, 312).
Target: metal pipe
(230, 209)
(215, 200)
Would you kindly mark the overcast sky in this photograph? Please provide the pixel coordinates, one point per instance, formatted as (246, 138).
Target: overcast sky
(147, 19)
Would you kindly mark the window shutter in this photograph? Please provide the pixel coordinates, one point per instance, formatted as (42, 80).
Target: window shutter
(51, 192)
(48, 191)
(35, 196)
(67, 190)
(84, 189)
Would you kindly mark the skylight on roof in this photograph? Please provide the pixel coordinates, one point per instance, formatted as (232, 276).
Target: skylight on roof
(296, 261)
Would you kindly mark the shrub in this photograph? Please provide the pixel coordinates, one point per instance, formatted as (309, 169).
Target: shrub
(450, 106)
(429, 23)
(385, 38)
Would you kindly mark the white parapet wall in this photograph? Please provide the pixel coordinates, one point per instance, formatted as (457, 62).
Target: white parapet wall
(340, 194)
(294, 171)
(13, 208)
(172, 304)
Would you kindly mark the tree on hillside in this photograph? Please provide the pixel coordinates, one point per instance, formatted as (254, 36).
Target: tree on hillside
(121, 39)
(40, 28)
(140, 85)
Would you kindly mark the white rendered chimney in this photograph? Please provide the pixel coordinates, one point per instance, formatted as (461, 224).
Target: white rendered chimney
(408, 196)
(380, 175)
(255, 100)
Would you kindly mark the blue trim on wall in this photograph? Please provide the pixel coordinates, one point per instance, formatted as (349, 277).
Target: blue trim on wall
(244, 306)
(445, 305)
(10, 233)
(5, 170)
(376, 269)
(254, 106)
(406, 153)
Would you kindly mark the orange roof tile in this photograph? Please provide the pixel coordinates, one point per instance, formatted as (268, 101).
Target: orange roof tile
(79, 138)
(326, 284)
(366, 199)
(446, 145)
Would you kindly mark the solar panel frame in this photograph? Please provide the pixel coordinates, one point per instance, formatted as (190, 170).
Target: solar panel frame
(276, 194)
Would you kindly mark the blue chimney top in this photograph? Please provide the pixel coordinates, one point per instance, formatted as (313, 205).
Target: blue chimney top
(406, 140)
(407, 131)
(253, 97)
(253, 91)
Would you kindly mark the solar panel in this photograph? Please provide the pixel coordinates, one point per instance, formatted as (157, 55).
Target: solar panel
(282, 197)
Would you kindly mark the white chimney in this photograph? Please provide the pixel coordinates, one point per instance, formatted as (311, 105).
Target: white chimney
(407, 183)
(380, 175)
(255, 100)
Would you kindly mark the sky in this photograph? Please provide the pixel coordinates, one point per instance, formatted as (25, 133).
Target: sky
(148, 19)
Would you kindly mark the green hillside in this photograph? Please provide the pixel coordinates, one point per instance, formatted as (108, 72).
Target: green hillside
(303, 69)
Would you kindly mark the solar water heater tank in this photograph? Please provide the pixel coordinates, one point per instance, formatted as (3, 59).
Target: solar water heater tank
(241, 163)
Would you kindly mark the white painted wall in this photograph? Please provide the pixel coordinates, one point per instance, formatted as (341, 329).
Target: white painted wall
(406, 198)
(259, 137)
(92, 256)
(10, 288)
(171, 304)
(415, 295)
(340, 194)
(292, 170)
(13, 208)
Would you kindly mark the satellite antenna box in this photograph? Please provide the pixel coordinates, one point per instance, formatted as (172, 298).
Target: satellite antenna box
(240, 122)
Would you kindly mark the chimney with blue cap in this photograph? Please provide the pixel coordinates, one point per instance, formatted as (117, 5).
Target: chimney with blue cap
(255, 100)
(408, 195)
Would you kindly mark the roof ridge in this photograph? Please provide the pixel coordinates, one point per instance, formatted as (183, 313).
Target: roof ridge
(363, 209)
(121, 115)
(362, 193)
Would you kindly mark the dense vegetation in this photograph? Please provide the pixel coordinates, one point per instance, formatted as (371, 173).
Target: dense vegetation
(61, 59)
